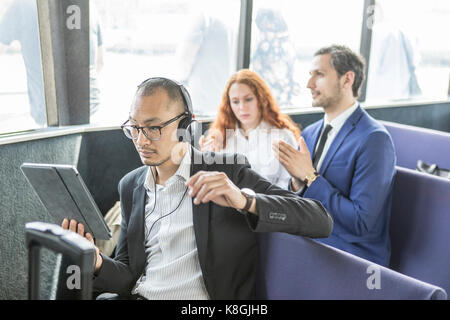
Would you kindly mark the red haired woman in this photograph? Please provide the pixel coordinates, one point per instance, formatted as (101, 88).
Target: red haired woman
(248, 121)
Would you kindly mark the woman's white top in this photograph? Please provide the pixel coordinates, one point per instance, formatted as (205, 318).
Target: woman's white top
(258, 150)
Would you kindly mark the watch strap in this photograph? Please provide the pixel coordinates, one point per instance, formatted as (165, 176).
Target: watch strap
(249, 200)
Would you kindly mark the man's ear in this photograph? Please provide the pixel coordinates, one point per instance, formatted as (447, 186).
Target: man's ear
(348, 79)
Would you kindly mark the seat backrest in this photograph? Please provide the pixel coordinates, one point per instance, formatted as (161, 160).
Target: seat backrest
(293, 267)
(414, 143)
(420, 227)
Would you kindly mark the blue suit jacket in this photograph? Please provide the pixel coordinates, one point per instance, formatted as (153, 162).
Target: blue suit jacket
(355, 185)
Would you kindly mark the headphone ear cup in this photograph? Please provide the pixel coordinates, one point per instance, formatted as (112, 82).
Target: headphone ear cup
(184, 123)
(183, 128)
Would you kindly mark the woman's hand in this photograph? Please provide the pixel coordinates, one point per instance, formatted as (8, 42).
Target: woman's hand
(207, 144)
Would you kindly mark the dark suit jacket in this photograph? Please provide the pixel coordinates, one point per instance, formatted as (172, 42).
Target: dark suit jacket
(355, 185)
(227, 246)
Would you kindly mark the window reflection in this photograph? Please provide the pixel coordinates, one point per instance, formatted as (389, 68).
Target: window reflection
(287, 33)
(22, 100)
(193, 42)
(409, 58)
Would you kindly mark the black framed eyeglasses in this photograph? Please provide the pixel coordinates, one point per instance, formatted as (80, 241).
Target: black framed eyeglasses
(151, 132)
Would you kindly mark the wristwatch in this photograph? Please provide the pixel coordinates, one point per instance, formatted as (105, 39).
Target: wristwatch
(310, 177)
(249, 195)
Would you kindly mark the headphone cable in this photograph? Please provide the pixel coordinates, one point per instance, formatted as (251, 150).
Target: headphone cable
(154, 206)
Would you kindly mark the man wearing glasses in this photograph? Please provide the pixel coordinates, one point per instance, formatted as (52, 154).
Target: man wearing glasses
(188, 225)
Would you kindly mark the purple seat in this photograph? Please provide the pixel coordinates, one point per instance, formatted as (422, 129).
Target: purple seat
(293, 267)
(414, 143)
(420, 227)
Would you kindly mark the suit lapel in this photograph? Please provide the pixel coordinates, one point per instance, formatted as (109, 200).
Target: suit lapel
(311, 143)
(200, 213)
(136, 250)
(348, 127)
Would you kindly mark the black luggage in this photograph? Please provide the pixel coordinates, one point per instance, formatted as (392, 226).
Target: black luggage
(76, 273)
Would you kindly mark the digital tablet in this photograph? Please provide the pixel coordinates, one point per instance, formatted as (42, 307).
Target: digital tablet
(64, 194)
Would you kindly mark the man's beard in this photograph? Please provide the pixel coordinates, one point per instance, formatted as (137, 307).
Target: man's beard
(156, 163)
(333, 99)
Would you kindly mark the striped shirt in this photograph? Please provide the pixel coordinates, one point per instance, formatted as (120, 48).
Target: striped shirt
(172, 270)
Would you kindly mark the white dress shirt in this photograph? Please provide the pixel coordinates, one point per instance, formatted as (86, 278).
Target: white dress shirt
(257, 147)
(336, 124)
(172, 271)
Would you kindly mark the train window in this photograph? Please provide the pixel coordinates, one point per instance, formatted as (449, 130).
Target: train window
(193, 42)
(22, 100)
(409, 57)
(287, 33)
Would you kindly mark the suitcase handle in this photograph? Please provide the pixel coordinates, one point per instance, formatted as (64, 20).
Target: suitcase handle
(68, 243)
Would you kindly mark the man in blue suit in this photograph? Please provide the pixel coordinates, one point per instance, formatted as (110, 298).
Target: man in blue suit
(346, 160)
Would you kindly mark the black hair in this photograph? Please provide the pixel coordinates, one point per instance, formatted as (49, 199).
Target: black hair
(152, 85)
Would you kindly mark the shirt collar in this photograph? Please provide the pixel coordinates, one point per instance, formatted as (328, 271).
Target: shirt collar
(339, 121)
(261, 126)
(183, 172)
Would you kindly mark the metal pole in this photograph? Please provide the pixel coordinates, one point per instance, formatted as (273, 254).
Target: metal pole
(366, 41)
(245, 32)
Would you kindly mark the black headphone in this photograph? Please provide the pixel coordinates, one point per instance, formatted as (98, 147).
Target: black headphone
(184, 126)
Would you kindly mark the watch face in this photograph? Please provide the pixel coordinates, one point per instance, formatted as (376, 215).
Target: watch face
(311, 176)
(249, 192)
